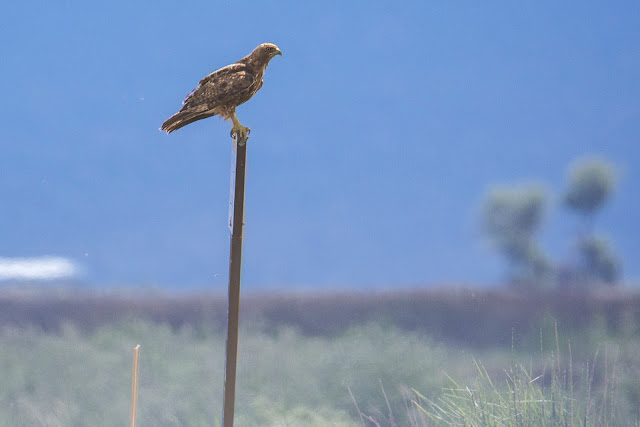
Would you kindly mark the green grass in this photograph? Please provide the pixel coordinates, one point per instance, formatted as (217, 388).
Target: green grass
(520, 401)
(371, 374)
(603, 392)
(75, 379)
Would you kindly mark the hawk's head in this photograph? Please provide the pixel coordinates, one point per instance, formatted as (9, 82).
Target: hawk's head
(265, 52)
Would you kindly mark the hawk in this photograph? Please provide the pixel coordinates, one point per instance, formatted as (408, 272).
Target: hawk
(223, 90)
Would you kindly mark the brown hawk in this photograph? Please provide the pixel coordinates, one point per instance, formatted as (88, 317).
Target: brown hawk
(223, 90)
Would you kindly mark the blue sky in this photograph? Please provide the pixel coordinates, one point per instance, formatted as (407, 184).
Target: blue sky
(374, 138)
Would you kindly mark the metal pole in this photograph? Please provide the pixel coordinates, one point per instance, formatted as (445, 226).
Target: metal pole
(235, 260)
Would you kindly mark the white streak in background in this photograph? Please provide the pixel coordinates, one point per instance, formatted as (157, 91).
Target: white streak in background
(41, 268)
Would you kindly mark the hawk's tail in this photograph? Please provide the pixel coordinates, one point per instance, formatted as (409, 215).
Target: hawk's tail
(183, 118)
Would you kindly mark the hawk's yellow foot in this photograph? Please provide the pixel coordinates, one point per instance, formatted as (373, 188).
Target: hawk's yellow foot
(241, 131)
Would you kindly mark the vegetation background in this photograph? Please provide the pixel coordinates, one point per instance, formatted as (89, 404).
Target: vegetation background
(384, 358)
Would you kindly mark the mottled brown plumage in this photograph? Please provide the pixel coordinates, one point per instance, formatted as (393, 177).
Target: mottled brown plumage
(223, 90)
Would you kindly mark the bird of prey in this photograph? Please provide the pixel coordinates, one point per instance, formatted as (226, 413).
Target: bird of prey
(223, 90)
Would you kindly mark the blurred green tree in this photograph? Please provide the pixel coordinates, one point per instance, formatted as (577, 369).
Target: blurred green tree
(591, 181)
(598, 260)
(511, 218)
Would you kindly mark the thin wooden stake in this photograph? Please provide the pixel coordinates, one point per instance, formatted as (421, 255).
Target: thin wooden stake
(235, 263)
(134, 387)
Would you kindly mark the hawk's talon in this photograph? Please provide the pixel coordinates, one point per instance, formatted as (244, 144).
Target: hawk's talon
(240, 131)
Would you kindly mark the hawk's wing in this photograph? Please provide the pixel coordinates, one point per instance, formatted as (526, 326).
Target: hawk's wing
(224, 87)
(221, 86)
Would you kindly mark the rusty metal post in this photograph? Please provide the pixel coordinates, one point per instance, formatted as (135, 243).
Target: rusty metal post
(235, 263)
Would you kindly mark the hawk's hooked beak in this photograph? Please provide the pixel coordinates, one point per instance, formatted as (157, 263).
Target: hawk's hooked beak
(278, 52)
